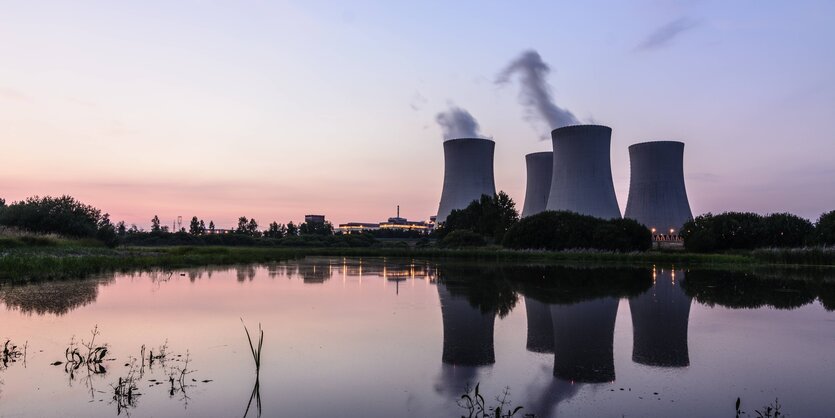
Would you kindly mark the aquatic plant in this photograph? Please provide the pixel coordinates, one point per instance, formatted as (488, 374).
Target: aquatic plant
(476, 407)
(93, 358)
(125, 391)
(256, 356)
(773, 410)
(256, 352)
(12, 354)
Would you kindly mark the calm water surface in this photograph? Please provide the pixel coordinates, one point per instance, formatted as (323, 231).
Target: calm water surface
(382, 338)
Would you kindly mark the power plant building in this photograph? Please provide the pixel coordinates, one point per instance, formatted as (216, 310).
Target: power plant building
(581, 179)
(468, 174)
(540, 165)
(657, 195)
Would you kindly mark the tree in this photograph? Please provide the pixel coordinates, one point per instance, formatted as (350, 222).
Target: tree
(489, 216)
(252, 227)
(825, 229)
(316, 228)
(155, 224)
(121, 228)
(194, 226)
(242, 225)
(202, 227)
(212, 226)
(61, 215)
(292, 229)
(275, 230)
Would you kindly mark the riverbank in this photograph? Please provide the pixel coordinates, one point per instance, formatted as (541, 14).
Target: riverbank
(78, 261)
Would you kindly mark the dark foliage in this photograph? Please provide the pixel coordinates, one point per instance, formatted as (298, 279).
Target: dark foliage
(744, 290)
(825, 229)
(59, 215)
(489, 216)
(746, 231)
(316, 228)
(562, 230)
(462, 238)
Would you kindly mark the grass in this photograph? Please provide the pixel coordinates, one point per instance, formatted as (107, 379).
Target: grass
(76, 260)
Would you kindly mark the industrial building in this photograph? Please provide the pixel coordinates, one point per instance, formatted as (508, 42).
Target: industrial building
(657, 195)
(581, 179)
(392, 224)
(539, 165)
(468, 174)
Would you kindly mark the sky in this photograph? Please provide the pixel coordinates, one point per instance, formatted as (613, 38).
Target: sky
(273, 109)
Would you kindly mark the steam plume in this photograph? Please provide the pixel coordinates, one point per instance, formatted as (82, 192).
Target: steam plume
(536, 93)
(458, 123)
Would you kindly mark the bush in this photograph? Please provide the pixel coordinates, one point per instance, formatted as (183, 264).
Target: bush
(63, 215)
(562, 230)
(825, 229)
(462, 238)
(746, 231)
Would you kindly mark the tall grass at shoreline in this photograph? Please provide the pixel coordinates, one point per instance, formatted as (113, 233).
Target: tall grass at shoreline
(59, 262)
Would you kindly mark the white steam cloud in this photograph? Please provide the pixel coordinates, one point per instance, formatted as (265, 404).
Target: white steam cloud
(536, 93)
(458, 123)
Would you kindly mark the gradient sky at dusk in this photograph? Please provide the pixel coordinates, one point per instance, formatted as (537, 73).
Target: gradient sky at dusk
(277, 109)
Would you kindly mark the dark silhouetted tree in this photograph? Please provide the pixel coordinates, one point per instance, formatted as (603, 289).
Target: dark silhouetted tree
(155, 224)
(292, 229)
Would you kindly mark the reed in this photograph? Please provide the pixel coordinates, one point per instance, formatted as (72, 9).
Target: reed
(256, 352)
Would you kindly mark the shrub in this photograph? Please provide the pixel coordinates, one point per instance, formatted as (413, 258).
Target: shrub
(746, 231)
(490, 216)
(462, 238)
(825, 229)
(562, 230)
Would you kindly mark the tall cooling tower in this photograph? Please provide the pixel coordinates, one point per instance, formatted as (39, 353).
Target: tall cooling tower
(659, 322)
(468, 173)
(581, 180)
(657, 196)
(540, 165)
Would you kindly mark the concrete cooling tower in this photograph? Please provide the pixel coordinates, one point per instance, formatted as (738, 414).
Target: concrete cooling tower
(584, 335)
(540, 165)
(581, 180)
(657, 196)
(468, 332)
(659, 322)
(468, 173)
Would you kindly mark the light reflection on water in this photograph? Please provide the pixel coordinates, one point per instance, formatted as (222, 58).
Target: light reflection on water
(374, 337)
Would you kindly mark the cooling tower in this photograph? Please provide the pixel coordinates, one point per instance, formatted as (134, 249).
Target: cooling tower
(657, 196)
(581, 179)
(540, 165)
(468, 332)
(540, 328)
(659, 322)
(584, 334)
(468, 173)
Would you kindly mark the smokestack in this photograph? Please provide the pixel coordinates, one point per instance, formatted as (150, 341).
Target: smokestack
(398, 211)
(584, 335)
(657, 195)
(659, 322)
(581, 180)
(468, 174)
(540, 166)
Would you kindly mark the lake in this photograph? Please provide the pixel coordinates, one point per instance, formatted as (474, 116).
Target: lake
(379, 337)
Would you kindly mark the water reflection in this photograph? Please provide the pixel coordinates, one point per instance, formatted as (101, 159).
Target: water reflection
(540, 327)
(56, 297)
(659, 321)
